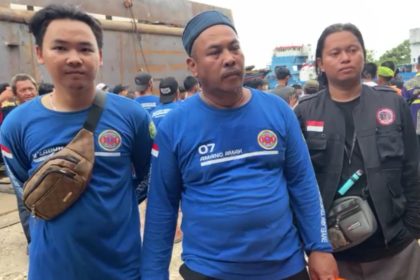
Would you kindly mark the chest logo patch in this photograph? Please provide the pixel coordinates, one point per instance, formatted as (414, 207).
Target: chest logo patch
(385, 116)
(152, 130)
(109, 140)
(267, 139)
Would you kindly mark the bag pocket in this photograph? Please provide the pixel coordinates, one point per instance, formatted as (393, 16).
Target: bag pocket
(351, 221)
(390, 144)
(318, 151)
(55, 186)
(398, 199)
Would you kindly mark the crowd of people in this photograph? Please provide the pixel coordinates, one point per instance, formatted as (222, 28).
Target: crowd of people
(327, 171)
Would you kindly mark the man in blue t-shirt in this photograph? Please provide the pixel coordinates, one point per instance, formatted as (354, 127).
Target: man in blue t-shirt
(168, 89)
(236, 160)
(144, 88)
(191, 86)
(98, 236)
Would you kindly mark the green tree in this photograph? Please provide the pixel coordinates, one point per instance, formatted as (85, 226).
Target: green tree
(370, 56)
(400, 54)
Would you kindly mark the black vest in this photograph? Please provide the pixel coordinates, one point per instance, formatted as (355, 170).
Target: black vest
(381, 123)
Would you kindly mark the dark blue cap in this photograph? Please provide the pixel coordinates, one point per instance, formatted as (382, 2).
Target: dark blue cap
(201, 22)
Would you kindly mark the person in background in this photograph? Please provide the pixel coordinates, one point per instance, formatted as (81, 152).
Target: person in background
(287, 93)
(98, 237)
(385, 75)
(8, 105)
(131, 95)
(377, 137)
(24, 88)
(298, 89)
(236, 160)
(120, 90)
(369, 73)
(258, 83)
(102, 86)
(395, 81)
(311, 87)
(5, 95)
(411, 92)
(45, 88)
(283, 76)
(169, 91)
(144, 88)
(191, 85)
(182, 94)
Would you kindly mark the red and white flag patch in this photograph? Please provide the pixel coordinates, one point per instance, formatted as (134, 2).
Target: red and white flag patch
(155, 150)
(316, 126)
(6, 152)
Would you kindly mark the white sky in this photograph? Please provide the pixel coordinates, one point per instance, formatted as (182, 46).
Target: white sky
(265, 24)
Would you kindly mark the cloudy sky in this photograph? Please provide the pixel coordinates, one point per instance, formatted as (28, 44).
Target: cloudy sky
(265, 24)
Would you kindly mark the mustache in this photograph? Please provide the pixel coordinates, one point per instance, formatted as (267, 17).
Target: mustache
(231, 73)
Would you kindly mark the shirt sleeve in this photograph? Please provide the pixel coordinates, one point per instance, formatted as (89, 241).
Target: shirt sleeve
(140, 156)
(406, 93)
(410, 173)
(162, 208)
(15, 161)
(303, 189)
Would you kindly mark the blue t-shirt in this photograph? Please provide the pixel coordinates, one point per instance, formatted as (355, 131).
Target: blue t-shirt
(236, 172)
(98, 237)
(148, 102)
(161, 111)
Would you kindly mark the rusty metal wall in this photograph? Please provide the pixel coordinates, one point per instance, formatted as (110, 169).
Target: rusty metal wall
(176, 12)
(165, 56)
(123, 57)
(20, 56)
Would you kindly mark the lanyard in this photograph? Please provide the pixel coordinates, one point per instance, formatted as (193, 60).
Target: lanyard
(353, 143)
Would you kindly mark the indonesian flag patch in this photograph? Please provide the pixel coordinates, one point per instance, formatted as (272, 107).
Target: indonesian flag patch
(6, 152)
(316, 126)
(155, 150)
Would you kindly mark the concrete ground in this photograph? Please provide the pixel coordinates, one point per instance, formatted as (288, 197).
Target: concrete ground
(13, 259)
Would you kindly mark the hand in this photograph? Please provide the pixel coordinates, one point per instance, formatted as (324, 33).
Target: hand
(322, 266)
(6, 94)
(292, 101)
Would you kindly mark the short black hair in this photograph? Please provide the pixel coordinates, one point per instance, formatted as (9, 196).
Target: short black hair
(282, 73)
(190, 82)
(3, 87)
(338, 27)
(131, 94)
(370, 70)
(297, 86)
(256, 83)
(181, 88)
(390, 64)
(311, 90)
(45, 88)
(418, 60)
(40, 21)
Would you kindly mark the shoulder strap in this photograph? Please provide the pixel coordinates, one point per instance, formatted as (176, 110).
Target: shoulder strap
(95, 112)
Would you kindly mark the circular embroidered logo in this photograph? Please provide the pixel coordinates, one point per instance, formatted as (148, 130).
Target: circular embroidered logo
(152, 130)
(109, 140)
(385, 116)
(267, 139)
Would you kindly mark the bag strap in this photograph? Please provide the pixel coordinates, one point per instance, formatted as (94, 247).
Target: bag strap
(95, 112)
